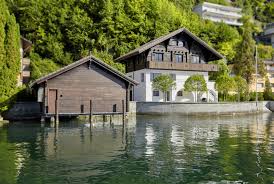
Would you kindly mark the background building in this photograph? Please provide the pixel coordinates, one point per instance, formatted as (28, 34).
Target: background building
(24, 76)
(269, 64)
(219, 13)
(267, 37)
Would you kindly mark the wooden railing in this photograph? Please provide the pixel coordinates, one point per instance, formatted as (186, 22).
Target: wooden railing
(26, 73)
(182, 66)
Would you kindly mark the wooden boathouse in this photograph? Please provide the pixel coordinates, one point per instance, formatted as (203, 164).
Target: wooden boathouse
(85, 87)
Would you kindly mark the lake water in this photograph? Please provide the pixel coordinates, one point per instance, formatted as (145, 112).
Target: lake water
(150, 149)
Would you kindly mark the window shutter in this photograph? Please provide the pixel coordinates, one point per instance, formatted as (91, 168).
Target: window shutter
(153, 56)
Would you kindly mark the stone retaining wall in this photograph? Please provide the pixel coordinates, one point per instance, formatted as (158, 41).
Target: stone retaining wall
(24, 111)
(200, 108)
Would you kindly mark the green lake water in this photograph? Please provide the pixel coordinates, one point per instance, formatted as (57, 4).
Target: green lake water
(150, 149)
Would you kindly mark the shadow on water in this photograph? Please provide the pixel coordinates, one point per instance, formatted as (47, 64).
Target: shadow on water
(150, 149)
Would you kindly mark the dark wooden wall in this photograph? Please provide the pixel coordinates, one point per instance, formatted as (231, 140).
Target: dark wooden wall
(78, 86)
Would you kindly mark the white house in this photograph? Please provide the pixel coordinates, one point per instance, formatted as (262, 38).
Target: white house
(219, 13)
(180, 54)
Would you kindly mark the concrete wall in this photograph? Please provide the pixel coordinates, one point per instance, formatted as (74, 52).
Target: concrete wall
(202, 108)
(31, 110)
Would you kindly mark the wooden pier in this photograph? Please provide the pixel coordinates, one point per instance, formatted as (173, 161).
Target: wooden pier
(56, 116)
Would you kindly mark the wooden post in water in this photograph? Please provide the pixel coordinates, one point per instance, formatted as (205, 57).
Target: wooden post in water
(124, 113)
(57, 111)
(90, 111)
(110, 119)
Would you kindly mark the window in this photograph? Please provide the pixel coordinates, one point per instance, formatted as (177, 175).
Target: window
(156, 93)
(142, 77)
(260, 85)
(181, 43)
(195, 59)
(25, 68)
(159, 56)
(173, 42)
(153, 76)
(179, 58)
(180, 93)
(173, 76)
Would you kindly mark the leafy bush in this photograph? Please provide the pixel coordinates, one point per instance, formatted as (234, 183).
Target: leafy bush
(41, 67)
(252, 96)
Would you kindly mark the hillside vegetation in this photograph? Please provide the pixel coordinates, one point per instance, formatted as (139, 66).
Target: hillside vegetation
(66, 30)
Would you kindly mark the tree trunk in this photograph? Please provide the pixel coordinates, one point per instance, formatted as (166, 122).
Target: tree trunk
(238, 96)
(196, 96)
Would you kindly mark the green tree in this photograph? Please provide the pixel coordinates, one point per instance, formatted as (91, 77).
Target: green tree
(163, 83)
(9, 55)
(244, 60)
(265, 51)
(268, 90)
(41, 67)
(195, 83)
(222, 69)
(224, 84)
(241, 86)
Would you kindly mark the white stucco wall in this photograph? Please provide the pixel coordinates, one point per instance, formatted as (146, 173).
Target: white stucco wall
(144, 91)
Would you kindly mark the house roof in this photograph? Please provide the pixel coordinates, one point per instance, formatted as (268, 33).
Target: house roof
(26, 44)
(78, 63)
(165, 37)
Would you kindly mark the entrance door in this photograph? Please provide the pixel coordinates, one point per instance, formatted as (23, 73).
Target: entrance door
(52, 96)
(168, 96)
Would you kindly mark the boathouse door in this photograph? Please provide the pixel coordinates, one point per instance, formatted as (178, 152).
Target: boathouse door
(52, 96)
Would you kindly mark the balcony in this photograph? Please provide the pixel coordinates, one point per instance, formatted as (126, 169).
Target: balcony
(25, 61)
(25, 73)
(220, 13)
(219, 18)
(183, 66)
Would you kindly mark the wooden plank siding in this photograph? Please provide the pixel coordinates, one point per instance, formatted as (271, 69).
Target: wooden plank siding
(83, 83)
(182, 66)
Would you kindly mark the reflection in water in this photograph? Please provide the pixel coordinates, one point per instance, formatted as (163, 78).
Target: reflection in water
(157, 149)
(150, 137)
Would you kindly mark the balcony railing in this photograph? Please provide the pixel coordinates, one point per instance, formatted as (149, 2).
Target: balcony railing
(25, 61)
(223, 13)
(26, 73)
(182, 66)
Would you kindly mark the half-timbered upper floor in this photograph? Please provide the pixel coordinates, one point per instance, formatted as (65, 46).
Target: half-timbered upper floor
(179, 50)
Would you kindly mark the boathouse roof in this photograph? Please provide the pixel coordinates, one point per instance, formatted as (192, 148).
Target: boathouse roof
(146, 46)
(80, 62)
